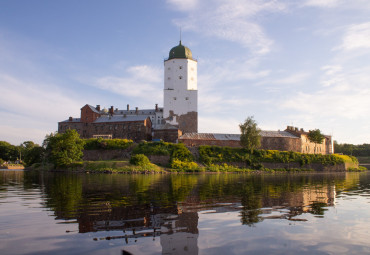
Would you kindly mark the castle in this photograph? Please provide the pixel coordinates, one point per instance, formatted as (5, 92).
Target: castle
(177, 121)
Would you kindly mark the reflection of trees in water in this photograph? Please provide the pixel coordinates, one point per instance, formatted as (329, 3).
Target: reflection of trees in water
(251, 207)
(64, 195)
(124, 197)
(317, 208)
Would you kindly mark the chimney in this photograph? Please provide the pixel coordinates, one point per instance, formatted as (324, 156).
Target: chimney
(128, 107)
(156, 107)
(116, 109)
(136, 110)
(111, 110)
(98, 107)
(296, 129)
(302, 130)
(70, 119)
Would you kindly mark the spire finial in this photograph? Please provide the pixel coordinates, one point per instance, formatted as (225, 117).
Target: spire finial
(180, 35)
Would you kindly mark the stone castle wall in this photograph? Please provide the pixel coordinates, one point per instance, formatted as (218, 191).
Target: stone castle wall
(134, 130)
(267, 143)
(281, 144)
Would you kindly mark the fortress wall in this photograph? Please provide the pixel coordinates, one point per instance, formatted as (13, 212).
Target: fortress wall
(199, 142)
(281, 144)
(294, 165)
(106, 154)
(159, 159)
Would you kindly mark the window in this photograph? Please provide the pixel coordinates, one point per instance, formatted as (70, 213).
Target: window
(180, 77)
(169, 78)
(180, 67)
(174, 98)
(186, 98)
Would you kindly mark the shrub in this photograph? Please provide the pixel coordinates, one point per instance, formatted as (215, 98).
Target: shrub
(139, 160)
(106, 144)
(224, 168)
(175, 151)
(213, 154)
(359, 169)
(184, 166)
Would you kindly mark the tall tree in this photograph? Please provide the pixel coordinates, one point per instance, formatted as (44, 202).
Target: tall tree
(33, 153)
(8, 151)
(250, 137)
(63, 149)
(315, 137)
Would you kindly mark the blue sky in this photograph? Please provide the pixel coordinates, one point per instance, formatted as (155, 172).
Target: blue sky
(303, 63)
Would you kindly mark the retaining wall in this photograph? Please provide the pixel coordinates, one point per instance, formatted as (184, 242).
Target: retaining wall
(106, 154)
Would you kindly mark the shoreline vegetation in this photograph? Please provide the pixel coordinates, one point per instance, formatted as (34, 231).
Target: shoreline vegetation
(68, 152)
(162, 157)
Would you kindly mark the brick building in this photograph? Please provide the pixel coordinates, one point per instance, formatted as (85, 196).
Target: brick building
(291, 139)
(95, 122)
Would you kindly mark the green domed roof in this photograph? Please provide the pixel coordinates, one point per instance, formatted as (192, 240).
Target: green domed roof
(180, 51)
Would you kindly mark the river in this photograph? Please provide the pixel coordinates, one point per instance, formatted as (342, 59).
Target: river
(66, 213)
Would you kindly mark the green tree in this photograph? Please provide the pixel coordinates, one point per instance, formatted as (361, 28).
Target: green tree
(34, 155)
(8, 151)
(63, 149)
(250, 137)
(315, 136)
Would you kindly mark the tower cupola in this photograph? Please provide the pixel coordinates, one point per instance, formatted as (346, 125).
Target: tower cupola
(180, 51)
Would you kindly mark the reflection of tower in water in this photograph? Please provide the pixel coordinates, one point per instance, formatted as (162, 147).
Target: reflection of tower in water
(180, 234)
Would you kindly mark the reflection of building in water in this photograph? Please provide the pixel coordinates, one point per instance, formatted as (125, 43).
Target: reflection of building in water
(176, 225)
(178, 230)
(306, 200)
(321, 194)
(180, 234)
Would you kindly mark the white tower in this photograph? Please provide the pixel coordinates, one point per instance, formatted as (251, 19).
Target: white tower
(180, 106)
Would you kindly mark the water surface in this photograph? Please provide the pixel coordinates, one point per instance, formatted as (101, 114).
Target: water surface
(60, 213)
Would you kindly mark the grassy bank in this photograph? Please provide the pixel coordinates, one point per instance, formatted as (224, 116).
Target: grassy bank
(178, 158)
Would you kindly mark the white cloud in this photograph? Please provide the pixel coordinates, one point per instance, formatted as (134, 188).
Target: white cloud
(292, 79)
(184, 5)
(232, 20)
(30, 110)
(216, 125)
(344, 95)
(141, 82)
(357, 36)
(322, 3)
